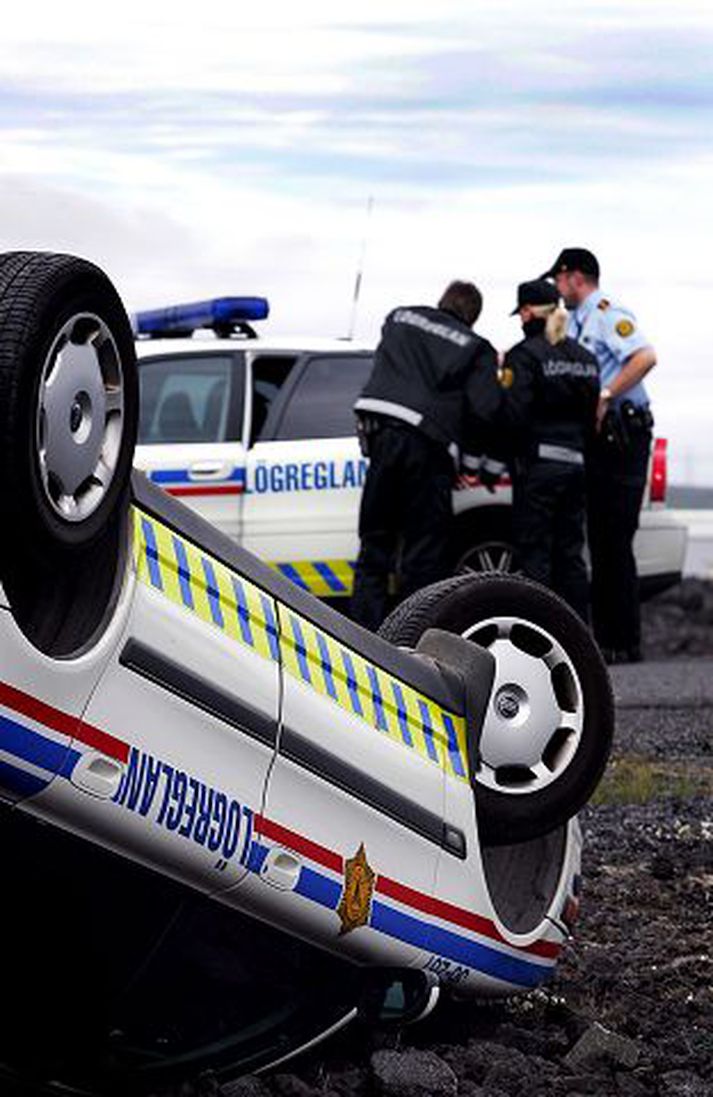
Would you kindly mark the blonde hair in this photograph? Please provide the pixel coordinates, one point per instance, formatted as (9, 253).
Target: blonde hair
(555, 321)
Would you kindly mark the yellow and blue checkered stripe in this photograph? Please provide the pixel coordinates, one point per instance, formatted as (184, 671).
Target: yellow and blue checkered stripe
(323, 578)
(370, 693)
(199, 583)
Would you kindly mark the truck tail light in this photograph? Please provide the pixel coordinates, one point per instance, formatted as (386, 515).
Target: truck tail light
(657, 491)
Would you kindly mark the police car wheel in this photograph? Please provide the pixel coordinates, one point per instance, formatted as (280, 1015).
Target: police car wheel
(548, 727)
(68, 399)
(483, 541)
(485, 556)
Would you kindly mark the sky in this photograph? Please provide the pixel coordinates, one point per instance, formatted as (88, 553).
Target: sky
(275, 149)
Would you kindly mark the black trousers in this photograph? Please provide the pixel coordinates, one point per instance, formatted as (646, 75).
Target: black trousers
(404, 521)
(548, 528)
(615, 488)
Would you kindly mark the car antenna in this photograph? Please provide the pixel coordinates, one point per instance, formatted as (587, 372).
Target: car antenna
(360, 267)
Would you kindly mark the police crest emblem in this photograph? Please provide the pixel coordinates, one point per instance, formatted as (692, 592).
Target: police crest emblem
(355, 903)
(506, 377)
(624, 328)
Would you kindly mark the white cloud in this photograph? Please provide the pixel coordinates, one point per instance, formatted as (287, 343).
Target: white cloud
(233, 150)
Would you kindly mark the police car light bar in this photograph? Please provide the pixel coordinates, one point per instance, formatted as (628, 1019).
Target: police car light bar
(223, 315)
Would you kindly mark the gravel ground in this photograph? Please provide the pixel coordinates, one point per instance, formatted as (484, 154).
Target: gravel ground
(680, 621)
(631, 1009)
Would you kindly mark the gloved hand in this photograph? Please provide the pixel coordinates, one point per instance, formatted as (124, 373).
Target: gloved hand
(489, 479)
(490, 471)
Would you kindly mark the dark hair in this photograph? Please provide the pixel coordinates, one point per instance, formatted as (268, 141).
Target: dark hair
(464, 300)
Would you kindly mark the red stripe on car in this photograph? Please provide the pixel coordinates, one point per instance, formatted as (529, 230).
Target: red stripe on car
(202, 489)
(62, 722)
(438, 908)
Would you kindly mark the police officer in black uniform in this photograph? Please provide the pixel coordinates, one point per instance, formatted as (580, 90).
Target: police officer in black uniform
(551, 393)
(433, 385)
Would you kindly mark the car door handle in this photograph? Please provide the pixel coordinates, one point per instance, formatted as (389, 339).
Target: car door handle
(98, 775)
(281, 869)
(206, 470)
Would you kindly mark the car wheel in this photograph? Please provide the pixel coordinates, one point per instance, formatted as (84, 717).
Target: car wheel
(68, 399)
(548, 727)
(485, 556)
(483, 541)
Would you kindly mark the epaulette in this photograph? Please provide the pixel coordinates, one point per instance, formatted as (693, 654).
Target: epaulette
(604, 304)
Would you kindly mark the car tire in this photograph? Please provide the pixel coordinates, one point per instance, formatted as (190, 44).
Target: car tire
(548, 728)
(483, 541)
(68, 401)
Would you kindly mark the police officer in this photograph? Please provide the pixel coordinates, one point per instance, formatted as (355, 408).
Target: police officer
(433, 385)
(618, 460)
(551, 395)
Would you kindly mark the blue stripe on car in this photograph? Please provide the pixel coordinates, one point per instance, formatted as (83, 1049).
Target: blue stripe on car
(183, 476)
(32, 747)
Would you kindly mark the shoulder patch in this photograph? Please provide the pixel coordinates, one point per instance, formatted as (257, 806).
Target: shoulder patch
(625, 328)
(506, 377)
(603, 304)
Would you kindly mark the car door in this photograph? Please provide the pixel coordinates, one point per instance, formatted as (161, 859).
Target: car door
(353, 825)
(305, 474)
(187, 706)
(191, 431)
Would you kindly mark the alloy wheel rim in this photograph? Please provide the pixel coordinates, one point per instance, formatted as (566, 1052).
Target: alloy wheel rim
(80, 417)
(535, 718)
(488, 556)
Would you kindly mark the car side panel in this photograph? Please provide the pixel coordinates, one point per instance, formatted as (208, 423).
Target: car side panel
(42, 701)
(471, 948)
(660, 544)
(301, 510)
(355, 800)
(209, 477)
(191, 694)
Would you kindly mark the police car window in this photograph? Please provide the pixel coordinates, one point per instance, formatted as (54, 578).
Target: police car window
(270, 371)
(186, 399)
(322, 403)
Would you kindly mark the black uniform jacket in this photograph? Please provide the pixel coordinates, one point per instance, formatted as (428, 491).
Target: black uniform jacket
(432, 371)
(551, 395)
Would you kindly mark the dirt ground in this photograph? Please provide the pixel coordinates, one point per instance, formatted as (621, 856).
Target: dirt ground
(630, 1011)
(640, 966)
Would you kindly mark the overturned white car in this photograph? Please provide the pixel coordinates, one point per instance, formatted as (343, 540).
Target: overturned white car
(231, 817)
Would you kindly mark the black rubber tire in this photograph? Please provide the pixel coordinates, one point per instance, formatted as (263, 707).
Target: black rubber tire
(486, 531)
(459, 603)
(39, 293)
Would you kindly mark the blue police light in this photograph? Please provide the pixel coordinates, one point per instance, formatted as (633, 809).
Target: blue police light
(223, 315)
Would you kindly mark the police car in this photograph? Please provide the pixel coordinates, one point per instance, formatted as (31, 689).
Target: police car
(257, 435)
(232, 818)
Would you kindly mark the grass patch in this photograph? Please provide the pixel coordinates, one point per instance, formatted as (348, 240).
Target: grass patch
(632, 780)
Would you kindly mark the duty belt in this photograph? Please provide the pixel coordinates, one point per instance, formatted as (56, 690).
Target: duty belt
(560, 453)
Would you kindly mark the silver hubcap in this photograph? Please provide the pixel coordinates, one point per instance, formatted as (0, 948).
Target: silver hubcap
(534, 722)
(488, 556)
(80, 417)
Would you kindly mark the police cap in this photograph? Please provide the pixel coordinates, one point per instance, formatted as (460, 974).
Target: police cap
(574, 259)
(537, 292)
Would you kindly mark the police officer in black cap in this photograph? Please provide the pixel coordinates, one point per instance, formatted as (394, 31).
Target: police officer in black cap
(432, 391)
(551, 393)
(617, 461)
